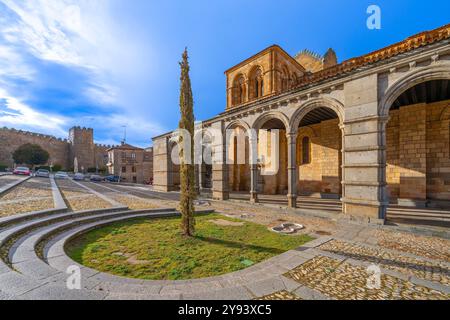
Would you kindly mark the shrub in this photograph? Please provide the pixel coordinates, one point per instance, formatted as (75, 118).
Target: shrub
(92, 170)
(31, 154)
(3, 167)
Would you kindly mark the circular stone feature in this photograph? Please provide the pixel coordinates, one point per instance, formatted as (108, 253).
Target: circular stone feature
(287, 228)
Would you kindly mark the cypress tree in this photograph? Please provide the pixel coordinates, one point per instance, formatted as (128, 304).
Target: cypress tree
(187, 173)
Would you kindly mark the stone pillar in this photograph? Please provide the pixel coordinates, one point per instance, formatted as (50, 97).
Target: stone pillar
(254, 183)
(364, 187)
(364, 159)
(161, 164)
(292, 169)
(220, 188)
(200, 177)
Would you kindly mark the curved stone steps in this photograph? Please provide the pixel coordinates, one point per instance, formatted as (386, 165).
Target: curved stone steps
(9, 234)
(44, 277)
(22, 255)
(126, 288)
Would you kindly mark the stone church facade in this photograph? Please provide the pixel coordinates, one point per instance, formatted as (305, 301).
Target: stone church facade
(371, 131)
(80, 145)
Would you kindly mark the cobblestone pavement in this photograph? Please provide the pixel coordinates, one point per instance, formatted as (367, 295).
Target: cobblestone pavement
(429, 247)
(78, 198)
(424, 269)
(280, 295)
(132, 201)
(9, 178)
(344, 281)
(32, 195)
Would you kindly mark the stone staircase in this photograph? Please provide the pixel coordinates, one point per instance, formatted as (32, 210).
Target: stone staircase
(33, 264)
(427, 216)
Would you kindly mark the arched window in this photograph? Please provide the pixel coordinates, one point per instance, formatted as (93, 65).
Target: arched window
(238, 90)
(306, 150)
(284, 79)
(256, 83)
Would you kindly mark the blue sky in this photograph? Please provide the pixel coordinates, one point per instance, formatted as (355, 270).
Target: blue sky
(105, 64)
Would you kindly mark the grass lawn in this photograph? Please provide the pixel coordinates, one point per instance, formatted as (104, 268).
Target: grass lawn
(154, 248)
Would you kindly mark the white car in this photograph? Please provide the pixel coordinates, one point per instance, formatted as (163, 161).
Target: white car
(61, 175)
(42, 173)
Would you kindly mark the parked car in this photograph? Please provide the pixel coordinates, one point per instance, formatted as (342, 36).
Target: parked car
(112, 178)
(78, 177)
(23, 171)
(42, 173)
(61, 175)
(96, 178)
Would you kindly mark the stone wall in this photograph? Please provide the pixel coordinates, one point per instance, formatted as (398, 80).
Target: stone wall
(322, 175)
(418, 159)
(11, 139)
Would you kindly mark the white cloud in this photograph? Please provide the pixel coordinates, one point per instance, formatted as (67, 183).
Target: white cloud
(79, 34)
(16, 114)
(13, 65)
(75, 33)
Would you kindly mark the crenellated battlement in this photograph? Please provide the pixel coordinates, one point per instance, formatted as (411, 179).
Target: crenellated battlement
(33, 134)
(78, 128)
(105, 146)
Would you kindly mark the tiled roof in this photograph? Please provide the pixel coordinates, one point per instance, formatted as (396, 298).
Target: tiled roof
(411, 43)
(125, 146)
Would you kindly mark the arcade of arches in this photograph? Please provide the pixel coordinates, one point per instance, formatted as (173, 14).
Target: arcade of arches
(369, 133)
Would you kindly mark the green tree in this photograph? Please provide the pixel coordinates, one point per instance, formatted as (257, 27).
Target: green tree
(187, 175)
(30, 154)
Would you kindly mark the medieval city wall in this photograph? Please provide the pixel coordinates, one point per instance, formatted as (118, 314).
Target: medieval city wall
(11, 139)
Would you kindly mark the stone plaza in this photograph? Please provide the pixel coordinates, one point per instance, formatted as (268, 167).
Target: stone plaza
(363, 165)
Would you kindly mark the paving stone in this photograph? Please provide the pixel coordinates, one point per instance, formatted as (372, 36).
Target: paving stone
(35, 269)
(293, 262)
(128, 288)
(290, 284)
(280, 295)
(235, 293)
(306, 293)
(15, 284)
(266, 287)
(52, 292)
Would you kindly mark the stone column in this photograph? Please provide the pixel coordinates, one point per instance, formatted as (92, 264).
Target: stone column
(254, 183)
(364, 159)
(161, 164)
(253, 159)
(200, 177)
(292, 169)
(220, 188)
(364, 189)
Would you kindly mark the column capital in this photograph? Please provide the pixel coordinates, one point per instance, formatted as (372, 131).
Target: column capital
(291, 135)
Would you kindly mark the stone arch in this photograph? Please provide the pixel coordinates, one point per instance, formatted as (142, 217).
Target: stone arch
(445, 115)
(310, 105)
(309, 132)
(262, 119)
(239, 89)
(256, 82)
(235, 123)
(238, 155)
(410, 80)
